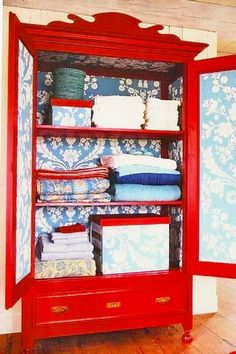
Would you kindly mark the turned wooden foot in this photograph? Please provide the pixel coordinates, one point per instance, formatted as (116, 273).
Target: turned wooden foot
(186, 337)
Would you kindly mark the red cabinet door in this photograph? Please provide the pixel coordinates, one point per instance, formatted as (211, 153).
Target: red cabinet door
(211, 189)
(20, 160)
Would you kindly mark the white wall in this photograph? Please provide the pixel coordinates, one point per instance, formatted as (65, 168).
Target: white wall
(205, 298)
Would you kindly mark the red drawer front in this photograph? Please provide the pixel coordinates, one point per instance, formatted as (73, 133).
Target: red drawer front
(72, 307)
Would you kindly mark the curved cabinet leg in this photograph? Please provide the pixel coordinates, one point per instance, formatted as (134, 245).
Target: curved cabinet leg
(187, 337)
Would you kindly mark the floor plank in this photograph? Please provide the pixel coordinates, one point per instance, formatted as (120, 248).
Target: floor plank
(213, 334)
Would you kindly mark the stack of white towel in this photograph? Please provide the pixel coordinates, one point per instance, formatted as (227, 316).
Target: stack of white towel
(125, 112)
(162, 114)
(59, 245)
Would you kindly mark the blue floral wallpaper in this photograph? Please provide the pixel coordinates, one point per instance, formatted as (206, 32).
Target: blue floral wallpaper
(218, 167)
(71, 153)
(108, 86)
(24, 163)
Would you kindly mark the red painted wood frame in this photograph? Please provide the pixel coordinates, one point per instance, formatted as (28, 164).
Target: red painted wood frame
(195, 265)
(14, 290)
(122, 39)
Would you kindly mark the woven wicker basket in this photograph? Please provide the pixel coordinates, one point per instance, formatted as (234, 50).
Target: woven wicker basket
(68, 83)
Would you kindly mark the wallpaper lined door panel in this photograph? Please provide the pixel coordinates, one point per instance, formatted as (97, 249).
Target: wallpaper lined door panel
(24, 163)
(218, 167)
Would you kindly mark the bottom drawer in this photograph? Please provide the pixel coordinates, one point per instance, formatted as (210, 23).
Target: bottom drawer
(87, 305)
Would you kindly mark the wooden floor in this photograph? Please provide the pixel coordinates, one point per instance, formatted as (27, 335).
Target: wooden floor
(214, 333)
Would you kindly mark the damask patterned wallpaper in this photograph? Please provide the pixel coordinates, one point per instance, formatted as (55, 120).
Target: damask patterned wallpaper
(24, 163)
(218, 167)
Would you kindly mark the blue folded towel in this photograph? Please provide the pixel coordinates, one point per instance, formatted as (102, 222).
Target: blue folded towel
(150, 175)
(140, 192)
(132, 169)
(147, 178)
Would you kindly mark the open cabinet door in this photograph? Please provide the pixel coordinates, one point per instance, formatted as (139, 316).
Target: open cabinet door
(20, 224)
(211, 215)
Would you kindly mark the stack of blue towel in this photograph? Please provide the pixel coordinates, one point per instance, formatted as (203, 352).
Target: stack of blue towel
(144, 182)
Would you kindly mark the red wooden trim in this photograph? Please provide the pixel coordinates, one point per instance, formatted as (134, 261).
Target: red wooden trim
(53, 40)
(111, 220)
(215, 269)
(50, 130)
(185, 176)
(111, 23)
(128, 280)
(34, 170)
(195, 265)
(71, 103)
(193, 170)
(13, 291)
(117, 35)
(11, 160)
(177, 203)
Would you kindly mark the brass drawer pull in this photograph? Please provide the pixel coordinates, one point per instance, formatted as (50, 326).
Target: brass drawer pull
(163, 300)
(112, 305)
(59, 309)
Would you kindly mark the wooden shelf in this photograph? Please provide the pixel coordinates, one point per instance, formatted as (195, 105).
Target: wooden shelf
(177, 203)
(63, 131)
(132, 277)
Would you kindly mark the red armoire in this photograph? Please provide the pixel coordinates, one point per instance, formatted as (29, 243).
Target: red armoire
(113, 46)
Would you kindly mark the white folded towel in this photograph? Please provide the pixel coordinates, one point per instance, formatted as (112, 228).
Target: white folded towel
(167, 104)
(117, 99)
(114, 161)
(67, 255)
(118, 112)
(50, 247)
(79, 235)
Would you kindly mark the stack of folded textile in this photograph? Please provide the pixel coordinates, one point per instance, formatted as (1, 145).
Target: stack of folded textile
(118, 112)
(162, 114)
(81, 185)
(142, 178)
(65, 253)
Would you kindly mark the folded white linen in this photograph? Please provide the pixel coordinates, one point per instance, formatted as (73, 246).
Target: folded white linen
(167, 104)
(116, 123)
(66, 241)
(50, 247)
(114, 98)
(122, 106)
(114, 161)
(72, 235)
(67, 255)
(162, 127)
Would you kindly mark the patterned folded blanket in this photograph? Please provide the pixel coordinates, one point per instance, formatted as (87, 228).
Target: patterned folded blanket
(75, 198)
(81, 173)
(74, 186)
(64, 268)
(139, 192)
